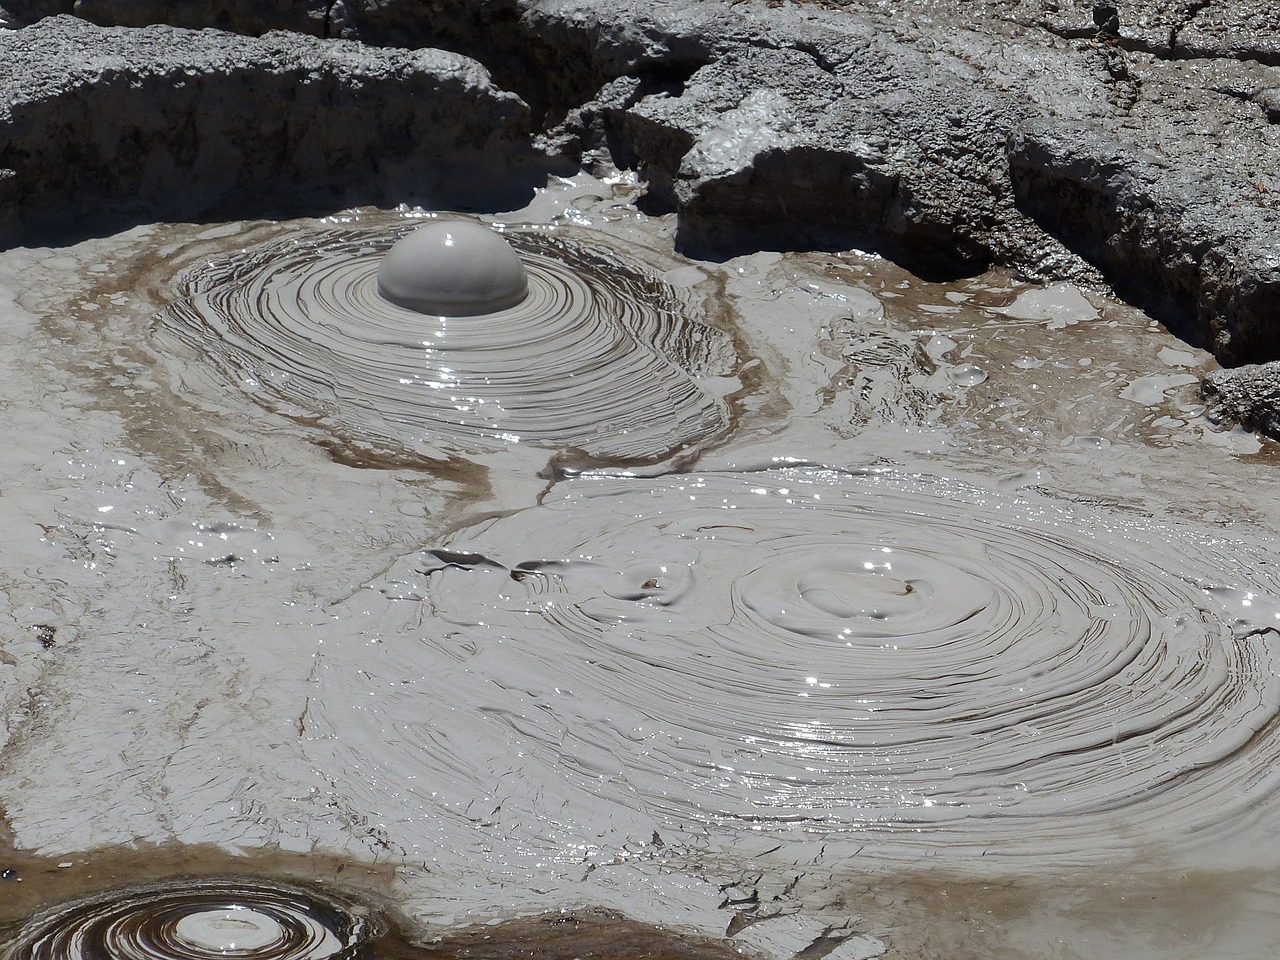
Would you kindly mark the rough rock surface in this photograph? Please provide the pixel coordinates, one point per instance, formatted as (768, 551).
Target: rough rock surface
(1134, 142)
(1248, 395)
(938, 139)
(241, 16)
(175, 121)
(862, 143)
(1169, 236)
(1186, 29)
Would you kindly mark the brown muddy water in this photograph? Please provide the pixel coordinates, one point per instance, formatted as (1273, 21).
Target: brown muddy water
(791, 603)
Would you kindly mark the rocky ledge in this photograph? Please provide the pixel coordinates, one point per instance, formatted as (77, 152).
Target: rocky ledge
(1131, 143)
(169, 122)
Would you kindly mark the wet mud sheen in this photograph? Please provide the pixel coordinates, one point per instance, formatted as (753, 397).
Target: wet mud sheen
(863, 655)
(195, 904)
(199, 918)
(598, 358)
(876, 661)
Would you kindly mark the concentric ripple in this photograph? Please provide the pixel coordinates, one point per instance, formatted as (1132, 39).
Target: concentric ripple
(599, 357)
(199, 919)
(872, 652)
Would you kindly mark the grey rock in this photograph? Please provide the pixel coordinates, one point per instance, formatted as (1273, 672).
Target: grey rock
(1242, 29)
(1268, 98)
(164, 120)
(250, 17)
(766, 147)
(1195, 251)
(1181, 29)
(1248, 395)
(948, 149)
(17, 13)
(892, 142)
(1157, 173)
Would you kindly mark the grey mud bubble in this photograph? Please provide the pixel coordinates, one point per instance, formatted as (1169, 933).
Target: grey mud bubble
(866, 656)
(199, 919)
(453, 268)
(967, 375)
(546, 340)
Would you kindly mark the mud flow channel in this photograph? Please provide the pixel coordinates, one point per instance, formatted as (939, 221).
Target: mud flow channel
(792, 603)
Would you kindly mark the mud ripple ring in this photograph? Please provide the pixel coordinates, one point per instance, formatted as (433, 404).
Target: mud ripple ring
(200, 920)
(595, 356)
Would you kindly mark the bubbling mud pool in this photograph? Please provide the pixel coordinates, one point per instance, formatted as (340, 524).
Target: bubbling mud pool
(167, 905)
(871, 658)
(598, 357)
(834, 611)
(200, 918)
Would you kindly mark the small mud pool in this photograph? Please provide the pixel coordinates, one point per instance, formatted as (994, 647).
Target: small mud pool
(904, 663)
(277, 908)
(791, 600)
(199, 918)
(597, 357)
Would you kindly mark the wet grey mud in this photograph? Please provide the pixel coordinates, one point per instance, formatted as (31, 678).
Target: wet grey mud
(901, 611)
(594, 356)
(698, 590)
(148, 904)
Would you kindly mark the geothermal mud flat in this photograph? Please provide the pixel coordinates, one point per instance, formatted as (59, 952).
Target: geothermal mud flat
(785, 598)
(935, 634)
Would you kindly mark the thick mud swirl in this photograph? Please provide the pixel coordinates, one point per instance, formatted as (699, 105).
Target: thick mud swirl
(864, 655)
(199, 919)
(599, 357)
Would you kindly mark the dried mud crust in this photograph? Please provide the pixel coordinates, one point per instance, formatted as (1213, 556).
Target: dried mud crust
(1132, 143)
(160, 120)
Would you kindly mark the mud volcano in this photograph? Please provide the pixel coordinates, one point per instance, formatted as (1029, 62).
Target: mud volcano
(451, 337)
